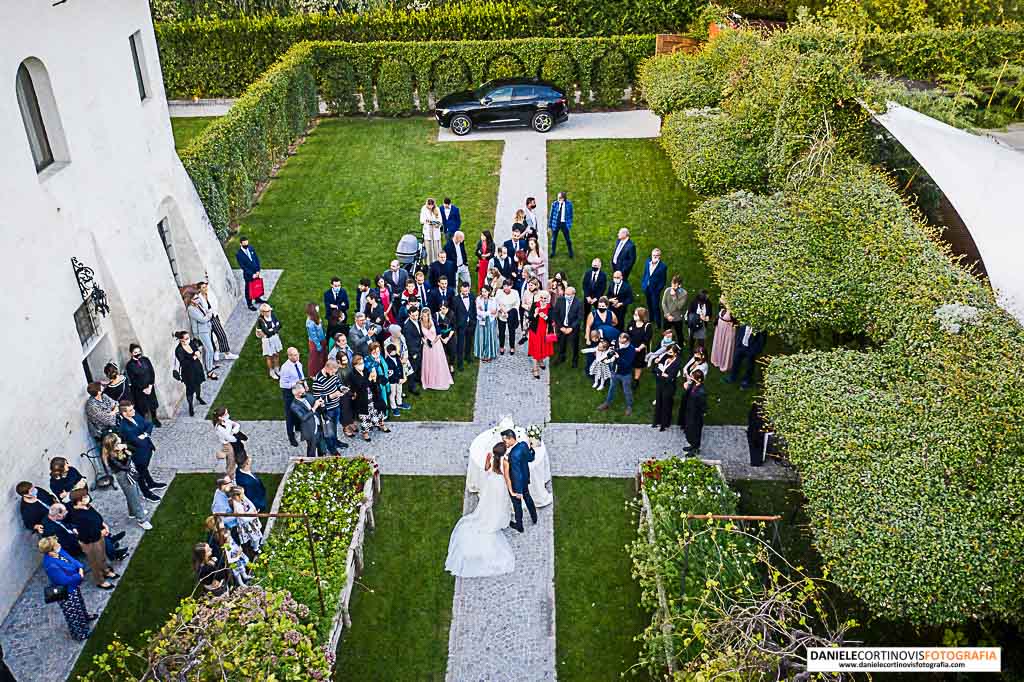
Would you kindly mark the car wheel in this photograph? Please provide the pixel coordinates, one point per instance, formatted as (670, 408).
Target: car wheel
(461, 125)
(543, 121)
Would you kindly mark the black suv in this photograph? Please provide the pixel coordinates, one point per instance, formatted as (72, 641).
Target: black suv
(510, 102)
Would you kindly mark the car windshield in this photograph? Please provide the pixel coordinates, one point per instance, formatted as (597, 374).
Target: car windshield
(480, 92)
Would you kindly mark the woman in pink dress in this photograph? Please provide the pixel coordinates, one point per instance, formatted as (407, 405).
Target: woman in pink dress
(385, 301)
(724, 343)
(434, 372)
(535, 259)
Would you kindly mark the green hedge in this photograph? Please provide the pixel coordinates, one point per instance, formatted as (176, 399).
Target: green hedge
(236, 152)
(398, 72)
(220, 58)
(909, 453)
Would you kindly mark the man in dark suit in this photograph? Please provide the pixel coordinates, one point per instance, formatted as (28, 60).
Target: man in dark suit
(517, 243)
(441, 294)
(691, 413)
(624, 254)
(566, 314)
(749, 345)
(620, 297)
(442, 267)
(503, 262)
(465, 323)
(456, 250)
(413, 335)
(250, 482)
(560, 220)
(594, 284)
(519, 457)
(422, 290)
(653, 283)
(395, 278)
(451, 218)
(336, 298)
(305, 413)
(135, 432)
(249, 262)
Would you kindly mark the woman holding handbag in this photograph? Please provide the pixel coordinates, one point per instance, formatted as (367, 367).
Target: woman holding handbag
(232, 440)
(541, 342)
(268, 331)
(188, 355)
(66, 575)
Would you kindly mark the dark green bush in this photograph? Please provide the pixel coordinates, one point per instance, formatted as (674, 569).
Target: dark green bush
(611, 77)
(712, 153)
(236, 152)
(220, 58)
(395, 87)
(449, 63)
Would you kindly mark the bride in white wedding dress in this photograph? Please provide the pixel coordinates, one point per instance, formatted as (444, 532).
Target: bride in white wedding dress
(478, 547)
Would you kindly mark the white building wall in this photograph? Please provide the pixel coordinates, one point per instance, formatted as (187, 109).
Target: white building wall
(103, 206)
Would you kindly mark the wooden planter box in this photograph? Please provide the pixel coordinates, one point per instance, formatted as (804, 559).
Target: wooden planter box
(354, 557)
(667, 43)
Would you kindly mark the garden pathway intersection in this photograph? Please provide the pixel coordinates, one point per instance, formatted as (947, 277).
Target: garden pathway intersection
(487, 613)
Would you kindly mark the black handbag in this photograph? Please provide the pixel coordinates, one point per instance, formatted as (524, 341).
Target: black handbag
(55, 593)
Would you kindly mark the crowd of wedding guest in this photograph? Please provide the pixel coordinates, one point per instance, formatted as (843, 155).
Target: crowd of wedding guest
(368, 353)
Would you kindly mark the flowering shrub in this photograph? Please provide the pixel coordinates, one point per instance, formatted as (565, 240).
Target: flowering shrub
(330, 490)
(247, 634)
(705, 551)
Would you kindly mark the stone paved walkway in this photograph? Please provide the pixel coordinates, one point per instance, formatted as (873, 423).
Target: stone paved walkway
(487, 613)
(30, 621)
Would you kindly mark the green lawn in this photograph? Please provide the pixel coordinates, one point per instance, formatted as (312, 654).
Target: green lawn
(338, 207)
(186, 128)
(402, 605)
(629, 183)
(160, 573)
(598, 603)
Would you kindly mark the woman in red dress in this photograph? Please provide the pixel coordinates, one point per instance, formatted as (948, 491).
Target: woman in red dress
(484, 253)
(540, 349)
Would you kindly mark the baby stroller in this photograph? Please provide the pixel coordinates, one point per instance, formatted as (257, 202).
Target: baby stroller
(410, 253)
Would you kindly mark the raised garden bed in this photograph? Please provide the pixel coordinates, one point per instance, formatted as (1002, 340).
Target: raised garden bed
(337, 495)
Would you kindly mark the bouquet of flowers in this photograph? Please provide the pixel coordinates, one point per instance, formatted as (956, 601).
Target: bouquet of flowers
(534, 432)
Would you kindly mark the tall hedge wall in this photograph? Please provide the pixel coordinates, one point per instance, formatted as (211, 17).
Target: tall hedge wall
(236, 152)
(402, 74)
(220, 58)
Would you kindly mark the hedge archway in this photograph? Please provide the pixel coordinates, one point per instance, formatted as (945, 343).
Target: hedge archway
(611, 76)
(396, 86)
(448, 74)
(338, 85)
(505, 65)
(558, 67)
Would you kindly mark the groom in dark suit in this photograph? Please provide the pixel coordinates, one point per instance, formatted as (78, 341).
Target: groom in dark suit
(519, 457)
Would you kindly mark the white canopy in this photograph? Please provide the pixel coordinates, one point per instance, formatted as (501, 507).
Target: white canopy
(984, 181)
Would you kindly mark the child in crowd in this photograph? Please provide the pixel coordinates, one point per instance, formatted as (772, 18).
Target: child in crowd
(668, 339)
(396, 377)
(601, 367)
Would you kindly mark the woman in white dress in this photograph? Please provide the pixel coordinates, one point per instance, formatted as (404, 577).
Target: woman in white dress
(478, 547)
(430, 218)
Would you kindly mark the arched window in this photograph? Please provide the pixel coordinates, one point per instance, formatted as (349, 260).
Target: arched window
(39, 114)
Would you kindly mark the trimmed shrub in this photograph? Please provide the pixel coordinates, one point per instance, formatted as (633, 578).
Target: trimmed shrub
(611, 77)
(338, 85)
(479, 61)
(698, 80)
(220, 58)
(711, 153)
(395, 87)
(236, 152)
(450, 74)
